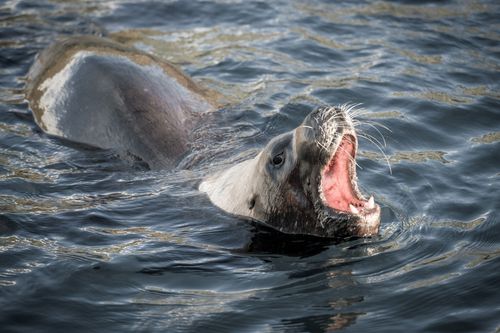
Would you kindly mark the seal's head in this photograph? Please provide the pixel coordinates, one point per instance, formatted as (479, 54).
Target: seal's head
(302, 182)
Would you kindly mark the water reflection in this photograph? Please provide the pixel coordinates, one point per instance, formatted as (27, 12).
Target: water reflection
(265, 240)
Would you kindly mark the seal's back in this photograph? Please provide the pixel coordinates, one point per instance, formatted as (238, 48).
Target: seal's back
(93, 91)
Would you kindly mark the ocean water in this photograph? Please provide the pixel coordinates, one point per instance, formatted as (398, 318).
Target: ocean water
(90, 243)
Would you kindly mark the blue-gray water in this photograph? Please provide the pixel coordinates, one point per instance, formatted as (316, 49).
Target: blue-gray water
(89, 243)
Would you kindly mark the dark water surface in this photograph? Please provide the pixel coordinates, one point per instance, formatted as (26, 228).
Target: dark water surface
(89, 243)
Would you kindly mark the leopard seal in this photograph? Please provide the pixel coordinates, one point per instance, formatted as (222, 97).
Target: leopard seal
(95, 91)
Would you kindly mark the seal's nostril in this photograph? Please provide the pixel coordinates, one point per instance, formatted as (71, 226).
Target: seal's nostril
(251, 203)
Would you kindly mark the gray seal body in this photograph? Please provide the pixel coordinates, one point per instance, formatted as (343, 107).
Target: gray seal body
(97, 92)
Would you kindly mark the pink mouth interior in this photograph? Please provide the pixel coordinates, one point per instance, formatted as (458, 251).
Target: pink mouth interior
(336, 178)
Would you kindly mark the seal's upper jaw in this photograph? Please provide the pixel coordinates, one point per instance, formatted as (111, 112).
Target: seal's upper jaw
(338, 190)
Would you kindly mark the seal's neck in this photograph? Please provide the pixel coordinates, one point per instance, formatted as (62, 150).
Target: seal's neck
(232, 188)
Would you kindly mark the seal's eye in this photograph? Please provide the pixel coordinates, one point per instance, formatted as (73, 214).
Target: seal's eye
(278, 160)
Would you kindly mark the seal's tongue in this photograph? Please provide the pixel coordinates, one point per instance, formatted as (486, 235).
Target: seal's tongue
(337, 177)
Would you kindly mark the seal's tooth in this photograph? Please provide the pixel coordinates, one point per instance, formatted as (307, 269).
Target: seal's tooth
(354, 210)
(371, 203)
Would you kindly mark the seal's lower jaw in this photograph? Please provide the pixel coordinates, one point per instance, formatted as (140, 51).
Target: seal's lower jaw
(339, 191)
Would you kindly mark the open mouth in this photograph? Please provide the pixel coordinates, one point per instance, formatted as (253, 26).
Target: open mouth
(338, 187)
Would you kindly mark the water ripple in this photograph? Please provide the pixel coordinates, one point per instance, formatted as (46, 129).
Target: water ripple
(85, 234)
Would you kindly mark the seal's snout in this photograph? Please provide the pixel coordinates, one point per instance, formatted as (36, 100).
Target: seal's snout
(338, 191)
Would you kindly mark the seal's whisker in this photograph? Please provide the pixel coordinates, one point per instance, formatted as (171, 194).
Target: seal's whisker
(376, 123)
(359, 112)
(351, 110)
(372, 139)
(321, 145)
(372, 125)
(358, 126)
(386, 158)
